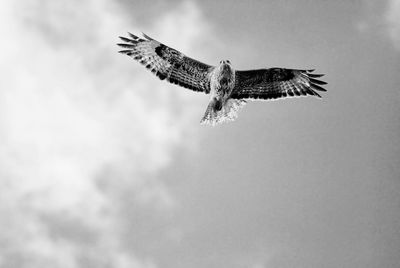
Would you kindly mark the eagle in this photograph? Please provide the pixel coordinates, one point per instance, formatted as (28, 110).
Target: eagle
(229, 88)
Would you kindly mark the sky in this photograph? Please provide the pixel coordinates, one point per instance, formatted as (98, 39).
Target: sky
(104, 165)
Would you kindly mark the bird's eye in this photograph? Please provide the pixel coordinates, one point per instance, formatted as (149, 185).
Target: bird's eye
(228, 61)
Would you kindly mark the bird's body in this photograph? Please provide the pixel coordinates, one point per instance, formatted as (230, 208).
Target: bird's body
(222, 107)
(228, 88)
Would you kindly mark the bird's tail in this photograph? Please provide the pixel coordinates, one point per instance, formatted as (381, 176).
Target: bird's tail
(228, 112)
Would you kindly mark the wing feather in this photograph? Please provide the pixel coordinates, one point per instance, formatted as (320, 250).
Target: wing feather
(276, 83)
(167, 63)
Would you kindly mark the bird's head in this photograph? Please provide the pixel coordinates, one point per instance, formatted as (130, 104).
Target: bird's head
(224, 62)
(225, 66)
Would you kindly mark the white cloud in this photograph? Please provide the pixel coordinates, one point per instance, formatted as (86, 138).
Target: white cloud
(392, 17)
(381, 18)
(79, 125)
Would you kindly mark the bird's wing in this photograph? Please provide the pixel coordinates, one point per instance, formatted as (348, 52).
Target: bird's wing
(168, 63)
(276, 83)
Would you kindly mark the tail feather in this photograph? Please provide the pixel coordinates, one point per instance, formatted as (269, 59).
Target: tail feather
(229, 112)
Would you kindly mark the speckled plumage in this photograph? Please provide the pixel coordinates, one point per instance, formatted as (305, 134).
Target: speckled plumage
(228, 88)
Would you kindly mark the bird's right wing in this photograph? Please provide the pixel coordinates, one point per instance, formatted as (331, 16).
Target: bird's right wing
(276, 83)
(168, 63)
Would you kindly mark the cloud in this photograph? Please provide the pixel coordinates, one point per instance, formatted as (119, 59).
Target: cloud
(382, 18)
(83, 131)
(393, 22)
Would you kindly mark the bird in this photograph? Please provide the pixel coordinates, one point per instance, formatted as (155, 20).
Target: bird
(229, 89)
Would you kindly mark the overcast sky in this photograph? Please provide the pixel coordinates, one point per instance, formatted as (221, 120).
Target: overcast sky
(104, 165)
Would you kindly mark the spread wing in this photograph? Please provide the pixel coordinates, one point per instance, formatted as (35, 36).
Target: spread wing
(168, 63)
(276, 83)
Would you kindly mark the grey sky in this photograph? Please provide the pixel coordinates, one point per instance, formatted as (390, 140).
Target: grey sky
(103, 165)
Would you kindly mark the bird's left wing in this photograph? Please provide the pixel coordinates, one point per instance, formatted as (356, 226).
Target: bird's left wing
(168, 63)
(276, 83)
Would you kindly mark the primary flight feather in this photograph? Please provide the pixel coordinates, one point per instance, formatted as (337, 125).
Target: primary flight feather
(229, 88)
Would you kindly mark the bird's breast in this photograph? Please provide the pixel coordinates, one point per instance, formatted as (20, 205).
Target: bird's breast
(223, 81)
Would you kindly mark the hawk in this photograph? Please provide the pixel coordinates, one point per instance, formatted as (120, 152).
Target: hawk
(229, 88)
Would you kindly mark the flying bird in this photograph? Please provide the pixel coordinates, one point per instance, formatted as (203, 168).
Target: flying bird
(229, 88)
